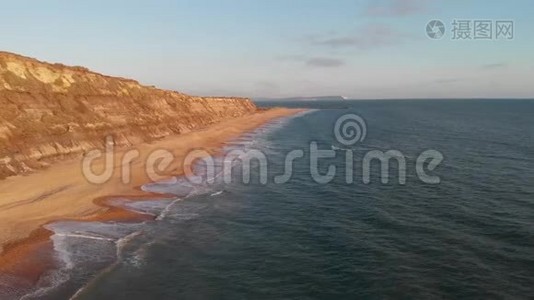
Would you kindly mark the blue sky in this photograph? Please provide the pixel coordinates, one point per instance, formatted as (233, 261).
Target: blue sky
(279, 48)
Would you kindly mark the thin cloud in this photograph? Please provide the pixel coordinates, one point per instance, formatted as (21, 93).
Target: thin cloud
(494, 66)
(324, 62)
(367, 37)
(448, 80)
(396, 8)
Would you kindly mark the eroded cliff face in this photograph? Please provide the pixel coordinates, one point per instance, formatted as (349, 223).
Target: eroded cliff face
(49, 111)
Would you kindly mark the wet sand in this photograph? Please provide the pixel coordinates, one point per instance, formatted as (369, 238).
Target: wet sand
(61, 192)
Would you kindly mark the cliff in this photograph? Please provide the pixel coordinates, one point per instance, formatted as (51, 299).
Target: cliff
(49, 111)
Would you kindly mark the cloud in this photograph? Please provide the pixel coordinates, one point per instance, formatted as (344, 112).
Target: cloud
(493, 66)
(324, 62)
(321, 62)
(396, 8)
(367, 37)
(448, 80)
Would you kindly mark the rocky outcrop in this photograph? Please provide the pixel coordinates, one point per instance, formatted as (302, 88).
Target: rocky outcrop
(49, 111)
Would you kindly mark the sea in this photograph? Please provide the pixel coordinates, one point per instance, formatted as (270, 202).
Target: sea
(444, 210)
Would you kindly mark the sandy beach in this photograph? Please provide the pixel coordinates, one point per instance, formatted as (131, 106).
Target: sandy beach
(61, 192)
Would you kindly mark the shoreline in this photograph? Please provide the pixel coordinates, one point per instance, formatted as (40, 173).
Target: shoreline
(21, 254)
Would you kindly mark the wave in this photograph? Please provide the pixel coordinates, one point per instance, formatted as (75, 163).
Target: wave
(338, 148)
(53, 279)
(167, 209)
(120, 246)
(217, 193)
(85, 236)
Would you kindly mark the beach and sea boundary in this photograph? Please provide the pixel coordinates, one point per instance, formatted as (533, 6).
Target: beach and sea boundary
(55, 115)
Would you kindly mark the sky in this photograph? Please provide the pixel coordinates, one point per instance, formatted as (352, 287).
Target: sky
(365, 49)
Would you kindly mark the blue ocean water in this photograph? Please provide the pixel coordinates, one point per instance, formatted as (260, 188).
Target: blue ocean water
(470, 236)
